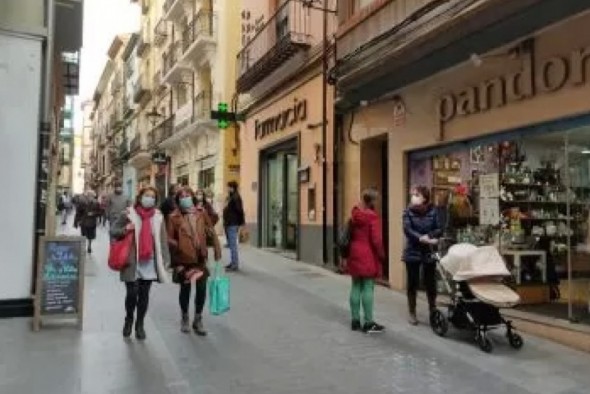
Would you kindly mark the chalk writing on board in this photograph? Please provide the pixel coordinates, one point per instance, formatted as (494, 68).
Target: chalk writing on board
(60, 275)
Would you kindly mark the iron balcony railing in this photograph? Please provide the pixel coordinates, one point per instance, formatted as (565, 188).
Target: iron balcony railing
(171, 56)
(283, 35)
(160, 32)
(201, 25)
(202, 105)
(162, 132)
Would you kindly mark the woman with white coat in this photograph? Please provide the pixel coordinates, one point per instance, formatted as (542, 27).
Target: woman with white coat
(148, 260)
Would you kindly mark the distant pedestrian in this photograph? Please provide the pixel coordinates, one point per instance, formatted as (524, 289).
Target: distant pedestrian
(87, 216)
(169, 204)
(103, 217)
(422, 229)
(116, 203)
(190, 230)
(148, 260)
(364, 262)
(233, 220)
(65, 207)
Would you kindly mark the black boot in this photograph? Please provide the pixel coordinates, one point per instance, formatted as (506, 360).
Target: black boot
(412, 319)
(128, 327)
(139, 330)
(198, 326)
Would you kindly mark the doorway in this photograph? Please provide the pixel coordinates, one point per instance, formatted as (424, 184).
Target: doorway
(375, 174)
(280, 198)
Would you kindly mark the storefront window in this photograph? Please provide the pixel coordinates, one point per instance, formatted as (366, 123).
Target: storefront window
(530, 197)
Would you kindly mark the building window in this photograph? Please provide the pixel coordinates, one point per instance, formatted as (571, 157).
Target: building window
(206, 178)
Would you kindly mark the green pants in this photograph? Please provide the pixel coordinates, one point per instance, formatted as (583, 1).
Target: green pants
(361, 292)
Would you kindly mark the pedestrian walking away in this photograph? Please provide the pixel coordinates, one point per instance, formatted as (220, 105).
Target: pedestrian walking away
(233, 219)
(169, 204)
(65, 207)
(364, 263)
(86, 219)
(116, 203)
(148, 259)
(190, 232)
(422, 229)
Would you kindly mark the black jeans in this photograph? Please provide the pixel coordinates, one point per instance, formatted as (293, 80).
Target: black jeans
(138, 297)
(200, 295)
(429, 277)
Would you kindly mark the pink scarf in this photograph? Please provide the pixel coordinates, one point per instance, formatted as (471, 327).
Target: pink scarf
(146, 241)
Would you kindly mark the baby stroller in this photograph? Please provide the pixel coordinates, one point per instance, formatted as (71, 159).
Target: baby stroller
(473, 277)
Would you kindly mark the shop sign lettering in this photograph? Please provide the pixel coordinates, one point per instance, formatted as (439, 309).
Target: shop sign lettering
(533, 78)
(286, 118)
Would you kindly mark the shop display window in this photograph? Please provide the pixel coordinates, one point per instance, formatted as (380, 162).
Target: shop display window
(530, 197)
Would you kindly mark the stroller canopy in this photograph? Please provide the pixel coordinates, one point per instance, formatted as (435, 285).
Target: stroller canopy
(465, 261)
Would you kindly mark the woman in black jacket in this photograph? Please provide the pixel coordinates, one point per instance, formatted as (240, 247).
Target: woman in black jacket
(233, 219)
(422, 229)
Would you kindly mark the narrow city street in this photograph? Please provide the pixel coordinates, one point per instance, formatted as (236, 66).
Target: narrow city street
(288, 332)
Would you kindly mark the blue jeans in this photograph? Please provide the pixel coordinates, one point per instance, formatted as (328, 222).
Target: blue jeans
(232, 233)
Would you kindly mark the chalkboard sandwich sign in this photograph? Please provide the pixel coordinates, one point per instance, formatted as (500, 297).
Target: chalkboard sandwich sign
(60, 280)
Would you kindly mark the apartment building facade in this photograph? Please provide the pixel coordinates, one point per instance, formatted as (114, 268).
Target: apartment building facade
(431, 100)
(287, 163)
(190, 72)
(109, 119)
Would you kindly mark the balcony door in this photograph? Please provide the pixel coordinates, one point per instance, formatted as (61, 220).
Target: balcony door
(282, 19)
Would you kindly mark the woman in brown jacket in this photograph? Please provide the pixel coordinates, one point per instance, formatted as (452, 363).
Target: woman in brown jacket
(190, 230)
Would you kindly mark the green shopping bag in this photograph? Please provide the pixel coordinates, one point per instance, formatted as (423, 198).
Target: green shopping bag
(219, 292)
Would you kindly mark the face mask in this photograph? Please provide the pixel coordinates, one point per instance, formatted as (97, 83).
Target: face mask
(416, 200)
(148, 202)
(209, 200)
(118, 191)
(200, 197)
(186, 203)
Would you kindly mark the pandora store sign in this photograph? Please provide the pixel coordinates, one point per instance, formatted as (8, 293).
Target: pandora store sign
(533, 78)
(279, 122)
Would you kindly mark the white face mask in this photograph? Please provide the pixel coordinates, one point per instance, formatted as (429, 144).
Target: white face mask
(416, 200)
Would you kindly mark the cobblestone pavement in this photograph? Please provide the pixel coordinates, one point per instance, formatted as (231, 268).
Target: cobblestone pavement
(288, 332)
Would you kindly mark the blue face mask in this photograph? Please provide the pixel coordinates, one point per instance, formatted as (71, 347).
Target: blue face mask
(186, 203)
(148, 202)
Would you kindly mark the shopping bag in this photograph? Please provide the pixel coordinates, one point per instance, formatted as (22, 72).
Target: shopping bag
(119, 252)
(219, 292)
(243, 235)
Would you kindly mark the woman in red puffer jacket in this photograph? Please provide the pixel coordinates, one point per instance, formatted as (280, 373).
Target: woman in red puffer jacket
(366, 254)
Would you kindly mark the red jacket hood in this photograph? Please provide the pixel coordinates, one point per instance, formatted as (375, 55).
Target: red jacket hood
(363, 215)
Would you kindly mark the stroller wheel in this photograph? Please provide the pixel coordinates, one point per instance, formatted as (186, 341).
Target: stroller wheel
(484, 343)
(439, 323)
(515, 341)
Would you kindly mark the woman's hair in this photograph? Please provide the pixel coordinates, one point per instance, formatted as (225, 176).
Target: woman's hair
(370, 196)
(142, 191)
(424, 192)
(187, 190)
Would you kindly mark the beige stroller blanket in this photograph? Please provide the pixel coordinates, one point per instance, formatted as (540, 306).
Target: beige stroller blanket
(482, 268)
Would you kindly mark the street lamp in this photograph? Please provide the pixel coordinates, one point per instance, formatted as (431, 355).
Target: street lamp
(320, 6)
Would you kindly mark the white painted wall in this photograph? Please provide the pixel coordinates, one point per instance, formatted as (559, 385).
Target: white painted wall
(20, 80)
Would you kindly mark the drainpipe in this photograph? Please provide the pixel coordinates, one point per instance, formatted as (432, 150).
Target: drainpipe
(44, 197)
(324, 139)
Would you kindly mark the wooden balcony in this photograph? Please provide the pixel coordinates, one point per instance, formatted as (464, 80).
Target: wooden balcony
(286, 33)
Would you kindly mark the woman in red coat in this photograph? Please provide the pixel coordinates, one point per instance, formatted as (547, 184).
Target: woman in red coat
(365, 257)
